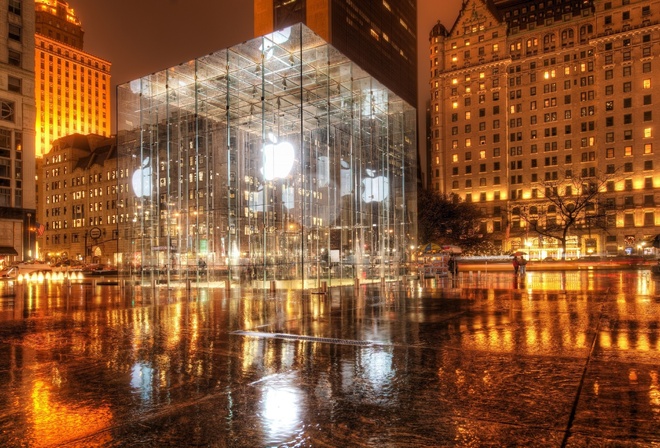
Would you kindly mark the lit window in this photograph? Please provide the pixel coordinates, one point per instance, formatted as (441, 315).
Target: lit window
(468, 115)
(648, 133)
(387, 5)
(454, 81)
(648, 148)
(454, 58)
(482, 154)
(482, 75)
(496, 47)
(627, 151)
(454, 158)
(454, 105)
(647, 83)
(468, 142)
(468, 89)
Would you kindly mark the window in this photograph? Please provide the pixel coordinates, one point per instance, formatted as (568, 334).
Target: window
(14, 84)
(14, 58)
(7, 110)
(648, 148)
(14, 32)
(647, 100)
(15, 7)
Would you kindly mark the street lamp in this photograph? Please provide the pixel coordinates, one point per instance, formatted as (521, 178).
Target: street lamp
(29, 232)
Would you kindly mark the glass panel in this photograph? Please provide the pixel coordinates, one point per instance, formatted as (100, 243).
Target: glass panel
(275, 160)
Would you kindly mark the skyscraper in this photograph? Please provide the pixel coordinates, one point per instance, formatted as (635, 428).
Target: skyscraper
(380, 36)
(540, 102)
(17, 130)
(72, 87)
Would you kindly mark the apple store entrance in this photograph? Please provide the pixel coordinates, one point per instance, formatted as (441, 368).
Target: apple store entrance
(277, 160)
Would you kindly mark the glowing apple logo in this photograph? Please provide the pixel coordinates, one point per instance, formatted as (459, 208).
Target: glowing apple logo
(142, 180)
(278, 159)
(375, 189)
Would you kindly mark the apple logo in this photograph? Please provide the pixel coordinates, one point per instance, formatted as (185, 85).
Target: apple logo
(278, 159)
(375, 189)
(142, 180)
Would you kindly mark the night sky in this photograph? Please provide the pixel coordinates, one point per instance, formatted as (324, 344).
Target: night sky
(140, 37)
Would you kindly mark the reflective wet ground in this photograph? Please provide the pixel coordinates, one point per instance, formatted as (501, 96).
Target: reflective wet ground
(561, 359)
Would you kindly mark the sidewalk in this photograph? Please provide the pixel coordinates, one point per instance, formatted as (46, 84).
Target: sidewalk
(557, 359)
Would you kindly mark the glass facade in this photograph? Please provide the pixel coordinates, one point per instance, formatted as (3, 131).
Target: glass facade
(275, 160)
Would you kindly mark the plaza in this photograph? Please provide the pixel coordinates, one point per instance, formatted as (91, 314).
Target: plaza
(564, 358)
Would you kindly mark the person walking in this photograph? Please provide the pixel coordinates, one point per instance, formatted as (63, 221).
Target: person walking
(523, 265)
(516, 264)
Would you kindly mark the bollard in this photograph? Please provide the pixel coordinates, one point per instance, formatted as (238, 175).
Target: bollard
(273, 286)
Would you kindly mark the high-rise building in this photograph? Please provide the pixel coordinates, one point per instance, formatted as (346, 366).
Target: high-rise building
(528, 94)
(17, 130)
(379, 36)
(79, 208)
(72, 87)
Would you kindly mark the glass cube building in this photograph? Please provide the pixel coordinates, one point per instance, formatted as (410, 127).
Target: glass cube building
(274, 160)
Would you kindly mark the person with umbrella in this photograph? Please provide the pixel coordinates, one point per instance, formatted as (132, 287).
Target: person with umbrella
(522, 261)
(516, 264)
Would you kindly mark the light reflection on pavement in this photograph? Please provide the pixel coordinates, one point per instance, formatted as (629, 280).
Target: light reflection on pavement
(557, 359)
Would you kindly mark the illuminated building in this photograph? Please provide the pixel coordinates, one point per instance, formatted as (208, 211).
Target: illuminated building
(17, 132)
(380, 36)
(279, 156)
(78, 206)
(72, 87)
(523, 92)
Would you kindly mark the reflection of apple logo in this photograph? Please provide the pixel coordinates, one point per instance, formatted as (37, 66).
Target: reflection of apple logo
(376, 189)
(142, 180)
(278, 159)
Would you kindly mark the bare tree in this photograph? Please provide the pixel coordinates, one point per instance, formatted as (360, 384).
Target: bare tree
(568, 202)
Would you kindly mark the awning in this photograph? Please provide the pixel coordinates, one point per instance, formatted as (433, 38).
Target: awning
(7, 250)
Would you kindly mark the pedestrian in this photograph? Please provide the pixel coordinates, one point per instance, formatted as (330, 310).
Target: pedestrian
(516, 264)
(452, 266)
(523, 265)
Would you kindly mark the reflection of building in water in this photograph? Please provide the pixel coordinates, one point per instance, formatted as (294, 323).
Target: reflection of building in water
(279, 158)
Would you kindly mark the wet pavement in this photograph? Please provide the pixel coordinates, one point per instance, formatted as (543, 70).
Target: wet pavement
(560, 359)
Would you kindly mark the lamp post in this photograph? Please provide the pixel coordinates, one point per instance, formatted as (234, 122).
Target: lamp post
(29, 215)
